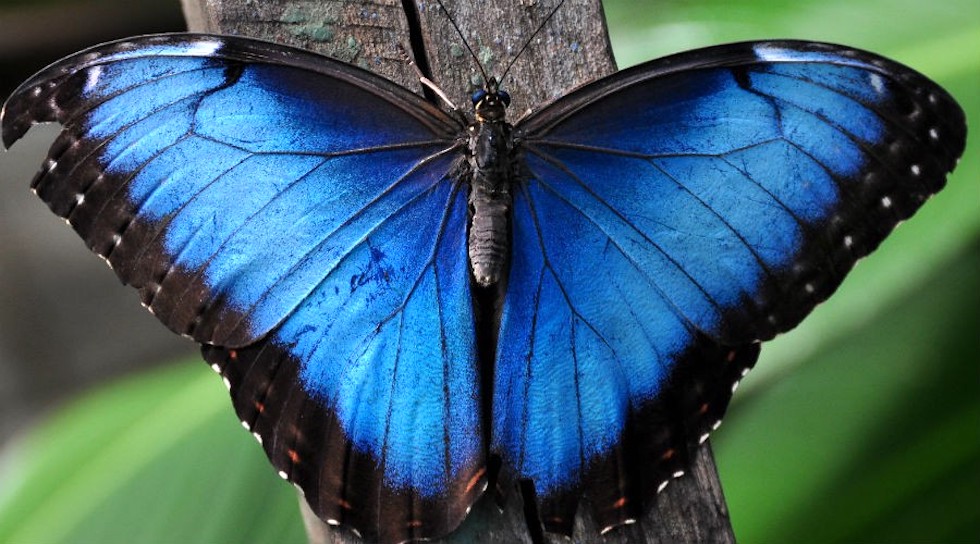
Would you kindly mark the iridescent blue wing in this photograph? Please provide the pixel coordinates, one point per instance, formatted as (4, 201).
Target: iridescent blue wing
(297, 216)
(672, 216)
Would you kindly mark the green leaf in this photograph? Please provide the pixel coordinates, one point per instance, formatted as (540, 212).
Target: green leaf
(871, 433)
(156, 458)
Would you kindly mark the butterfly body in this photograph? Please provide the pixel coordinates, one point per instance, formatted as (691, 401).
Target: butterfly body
(319, 230)
(492, 171)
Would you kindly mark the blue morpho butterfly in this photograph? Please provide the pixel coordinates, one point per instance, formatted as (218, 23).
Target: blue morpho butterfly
(324, 232)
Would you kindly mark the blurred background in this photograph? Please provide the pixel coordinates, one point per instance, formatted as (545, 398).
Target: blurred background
(862, 425)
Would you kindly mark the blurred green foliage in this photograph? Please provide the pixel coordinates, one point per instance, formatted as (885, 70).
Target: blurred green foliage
(155, 458)
(863, 425)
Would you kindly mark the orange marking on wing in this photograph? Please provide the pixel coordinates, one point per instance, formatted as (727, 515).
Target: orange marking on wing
(620, 503)
(731, 356)
(703, 409)
(233, 354)
(668, 454)
(475, 479)
(259, 406)
(415, 523)
(343, 504)
(293, 456)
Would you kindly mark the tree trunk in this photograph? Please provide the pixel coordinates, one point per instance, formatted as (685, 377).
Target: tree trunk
(570, 50)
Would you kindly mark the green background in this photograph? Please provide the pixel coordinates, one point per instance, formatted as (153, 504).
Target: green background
(863, 425)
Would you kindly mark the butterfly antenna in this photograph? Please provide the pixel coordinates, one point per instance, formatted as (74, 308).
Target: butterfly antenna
(476, 59)
(531, 39)
(428, 83)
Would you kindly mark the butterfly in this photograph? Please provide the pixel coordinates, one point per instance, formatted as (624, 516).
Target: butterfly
(407, 307)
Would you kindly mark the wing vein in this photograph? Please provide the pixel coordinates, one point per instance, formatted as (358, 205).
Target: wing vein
(653, 283)
(360, 241)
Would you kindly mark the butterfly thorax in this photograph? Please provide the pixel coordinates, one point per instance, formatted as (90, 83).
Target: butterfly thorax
(491, 166)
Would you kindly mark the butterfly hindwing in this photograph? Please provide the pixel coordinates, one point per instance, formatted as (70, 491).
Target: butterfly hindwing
(673, 215)
(298, 217)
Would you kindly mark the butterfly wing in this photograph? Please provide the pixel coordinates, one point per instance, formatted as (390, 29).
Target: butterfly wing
(296, 216)
(672, 216)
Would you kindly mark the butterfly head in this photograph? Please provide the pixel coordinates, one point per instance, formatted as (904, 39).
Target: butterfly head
(490, 103)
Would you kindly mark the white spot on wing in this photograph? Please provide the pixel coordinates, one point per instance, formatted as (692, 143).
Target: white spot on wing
(216, 368)
(770, 53)
(886, 202)
(283, 475)
(878, 84)
(92, 79)
(204, 48)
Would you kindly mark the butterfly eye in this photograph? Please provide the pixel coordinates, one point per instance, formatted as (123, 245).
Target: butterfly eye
(478, 96)
(504, 96)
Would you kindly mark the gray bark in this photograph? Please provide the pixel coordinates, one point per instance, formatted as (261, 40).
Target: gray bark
(572, 49)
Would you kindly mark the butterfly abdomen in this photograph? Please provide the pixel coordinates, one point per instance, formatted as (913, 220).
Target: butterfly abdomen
(491, 147)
